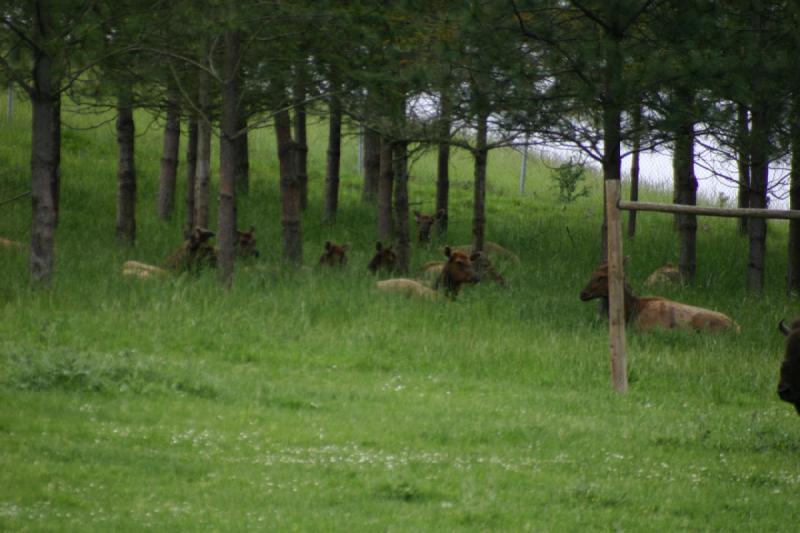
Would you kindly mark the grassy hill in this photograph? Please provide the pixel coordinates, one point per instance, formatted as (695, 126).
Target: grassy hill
(307, 401)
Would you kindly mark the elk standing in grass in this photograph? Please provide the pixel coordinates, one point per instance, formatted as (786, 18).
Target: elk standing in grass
(650, 312)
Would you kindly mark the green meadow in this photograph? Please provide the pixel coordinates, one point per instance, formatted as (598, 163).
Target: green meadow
(306, 401)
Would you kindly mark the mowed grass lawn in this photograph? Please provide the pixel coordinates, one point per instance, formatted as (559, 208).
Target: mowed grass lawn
(306, 401)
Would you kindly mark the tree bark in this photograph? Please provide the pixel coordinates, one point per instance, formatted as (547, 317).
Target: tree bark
(226, 218)
(167, 178)
(372, 164)
(685, 184)
(126, 169)
(637, 147)
(191, 171)
(242, 162)
(203, 179)
(43, 169)
(334, 157)
(743, 161)
(55, 184)
(385, 184)
(300, 135)
(401, 227)
(793, 270)
(290, 190)
(481, 156)
(759, 176)
(443, 162)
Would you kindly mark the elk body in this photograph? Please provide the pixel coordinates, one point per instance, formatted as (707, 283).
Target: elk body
(651, 312)
(384, 259)
(334, 254)
(789, 381)
(425, 223)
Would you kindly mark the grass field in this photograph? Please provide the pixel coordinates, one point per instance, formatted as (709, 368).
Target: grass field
(306, 401)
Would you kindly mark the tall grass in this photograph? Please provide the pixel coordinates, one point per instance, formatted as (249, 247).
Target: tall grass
(305, 400)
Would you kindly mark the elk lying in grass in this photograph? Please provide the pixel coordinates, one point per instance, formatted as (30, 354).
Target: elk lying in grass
(384, 259)
(651, 312)
(8, 244)
(334, 255)
(494, 249)
(408, 287)
(193, 255)
(425, 223)
(456, 271)
(432, 270)
(668, 274)
(789, 382)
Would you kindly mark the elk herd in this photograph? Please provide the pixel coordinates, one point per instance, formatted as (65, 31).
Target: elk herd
(443, 280)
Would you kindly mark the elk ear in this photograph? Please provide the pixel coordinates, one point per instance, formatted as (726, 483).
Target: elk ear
(417, 214)
(447, 251)
(441, 213)
(252, 229)
(378, 246)
(783, 328)
(327, 245)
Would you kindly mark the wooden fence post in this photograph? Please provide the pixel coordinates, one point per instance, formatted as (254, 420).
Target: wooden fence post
(616, 289)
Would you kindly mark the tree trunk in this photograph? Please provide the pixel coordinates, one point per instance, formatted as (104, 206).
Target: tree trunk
(203, 179)
(290, 190)
(793, 271)
(480, 154)
(372, 164)
(759, 176)
(242, 162)
(443, 163)
(685, 184)
(43, 171)
(301, 136)
(226, 218)
(167, 178)
(191, 172)
(743, 161)
(637, 146)
(385, 183)
(55, 184)
(334, 156)
(126, 170)
(401, 227)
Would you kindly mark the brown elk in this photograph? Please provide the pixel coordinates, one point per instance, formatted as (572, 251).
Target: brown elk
(334, 254)
(384, 259)
(425, 223)
(457, 270)
(480, 261)
(789, 382)
(650, 312)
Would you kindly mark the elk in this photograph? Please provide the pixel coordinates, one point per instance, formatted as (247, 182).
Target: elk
(457, 270)
(408, 287)
(384, 259)
(668, 274)
(493, 248)
(425, 223)
(789, 382)
(193, 255)
(651, 312)
(480, 261)
(334, 254)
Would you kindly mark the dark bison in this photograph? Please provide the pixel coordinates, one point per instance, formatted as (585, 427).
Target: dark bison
(651, 312)
(334, 254)
(384, 259)
(789, 382)
(425, 223)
